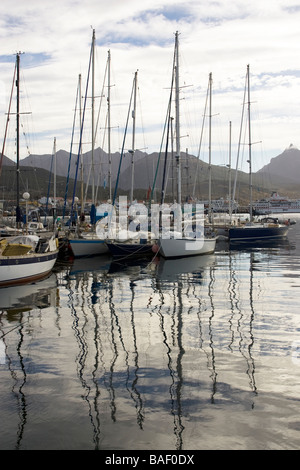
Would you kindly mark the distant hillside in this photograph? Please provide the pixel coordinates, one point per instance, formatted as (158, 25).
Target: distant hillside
(33, 180)
(281, 174)
(7, 161)
(64, 163)
(146, 171)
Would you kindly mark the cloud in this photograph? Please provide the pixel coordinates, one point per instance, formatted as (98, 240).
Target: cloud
(217, 37)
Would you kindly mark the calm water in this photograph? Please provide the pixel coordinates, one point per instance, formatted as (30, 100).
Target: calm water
(201, 353)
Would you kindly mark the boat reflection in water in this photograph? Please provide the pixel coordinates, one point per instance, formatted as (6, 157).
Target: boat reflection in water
(17, 304)
(162, 354)
(171, 269)
(147, 336)
(26, 297)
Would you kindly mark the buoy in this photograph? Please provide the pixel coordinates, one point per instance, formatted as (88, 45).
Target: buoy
(155, 248)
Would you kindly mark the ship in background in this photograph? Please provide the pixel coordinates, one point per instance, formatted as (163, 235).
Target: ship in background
(276, 204)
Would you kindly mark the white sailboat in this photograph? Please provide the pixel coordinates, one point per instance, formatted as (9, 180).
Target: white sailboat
(175, 245)
(25, 258)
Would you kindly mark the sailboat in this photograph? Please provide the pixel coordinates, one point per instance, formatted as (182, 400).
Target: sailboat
(25, 258)
(88, 243)
(174, 245)
(132, 243)
(268, 229)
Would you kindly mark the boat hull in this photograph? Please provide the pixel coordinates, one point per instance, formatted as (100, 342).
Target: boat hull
(179, 248)
(130, 249)
(28, 268)
(252, 233)
(276, 210)
(82, 247)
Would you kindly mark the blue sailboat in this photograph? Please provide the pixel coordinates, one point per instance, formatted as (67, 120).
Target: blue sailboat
(138, 243)
(266, 229)
(88, 243)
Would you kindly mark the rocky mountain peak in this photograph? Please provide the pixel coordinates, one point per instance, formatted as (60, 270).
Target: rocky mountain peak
(285, 165)
(292, 147)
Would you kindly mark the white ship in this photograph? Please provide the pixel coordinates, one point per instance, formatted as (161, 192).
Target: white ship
(276, 204)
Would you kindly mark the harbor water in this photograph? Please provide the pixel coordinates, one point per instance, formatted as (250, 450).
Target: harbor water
(199, 353)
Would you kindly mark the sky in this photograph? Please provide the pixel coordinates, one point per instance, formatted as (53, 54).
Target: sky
(217, 37)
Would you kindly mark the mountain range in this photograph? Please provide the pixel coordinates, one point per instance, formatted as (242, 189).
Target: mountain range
(281, 174)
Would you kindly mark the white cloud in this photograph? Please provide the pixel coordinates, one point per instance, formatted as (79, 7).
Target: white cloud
(217, 37)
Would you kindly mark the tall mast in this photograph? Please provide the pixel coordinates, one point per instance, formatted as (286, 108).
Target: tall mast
(172, 155)
(177, 123)
(108, 124)
(93, 115)
(133, 136)
(209, 149)
(250, 156)
(81, 156)
(229, 167)
(54, 180)
(18, 210)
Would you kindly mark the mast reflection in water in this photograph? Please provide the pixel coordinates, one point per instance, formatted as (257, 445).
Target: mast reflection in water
(171, 354)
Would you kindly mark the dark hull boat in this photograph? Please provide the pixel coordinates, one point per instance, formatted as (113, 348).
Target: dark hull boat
(267, 229)
(258, 232)
(130, 248)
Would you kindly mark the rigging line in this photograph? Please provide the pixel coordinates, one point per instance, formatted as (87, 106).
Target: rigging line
(141, 115)
(239, 144)
(49, 183)
(102, 95)
(101, 99)
(101, 155)
(24, 116)
(122, 151)
(18, 326)
(81, 130)
(159, 155)
(70, 156)
(200, 143)
(143, 131)
(163, 189)
(7, 120)
(26, 139)
(95, 136)
(95, 131)
(165, 125)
